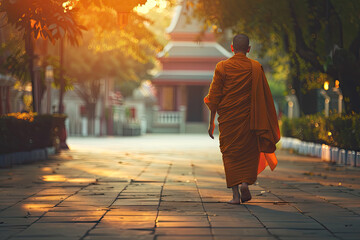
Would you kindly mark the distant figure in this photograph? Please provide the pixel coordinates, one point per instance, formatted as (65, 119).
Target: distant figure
(248, 124)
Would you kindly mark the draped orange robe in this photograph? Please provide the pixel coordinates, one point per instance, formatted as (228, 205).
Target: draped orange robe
(247, 119)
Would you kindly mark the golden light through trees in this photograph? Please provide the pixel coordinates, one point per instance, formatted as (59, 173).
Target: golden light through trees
(144, 9)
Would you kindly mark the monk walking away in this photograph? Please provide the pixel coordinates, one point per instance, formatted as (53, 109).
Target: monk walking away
(248, 124)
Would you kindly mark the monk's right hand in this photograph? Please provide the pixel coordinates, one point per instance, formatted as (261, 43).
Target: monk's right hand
(211, 130)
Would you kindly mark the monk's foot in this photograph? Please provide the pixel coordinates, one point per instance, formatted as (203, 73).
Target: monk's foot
(245, 193)
(234, 201)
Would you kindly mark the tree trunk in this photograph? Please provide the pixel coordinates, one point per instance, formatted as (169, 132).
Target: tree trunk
(7, 100)
(91, 108)
(62, 81)
(349, 89)
(29, 48)
(297, 84)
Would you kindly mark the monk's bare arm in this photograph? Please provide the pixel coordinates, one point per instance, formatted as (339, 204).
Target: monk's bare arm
(214, 96)
(212, 124)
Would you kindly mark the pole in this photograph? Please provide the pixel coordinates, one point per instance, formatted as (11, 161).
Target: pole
(327, 101)
(48, 90)
(29, 48)
(340, 104)
(63, 134)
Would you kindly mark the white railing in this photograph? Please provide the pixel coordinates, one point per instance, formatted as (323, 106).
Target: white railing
(169, 117)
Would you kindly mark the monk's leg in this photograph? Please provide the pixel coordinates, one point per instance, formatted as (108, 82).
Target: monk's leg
(245, 192)
(236, 195)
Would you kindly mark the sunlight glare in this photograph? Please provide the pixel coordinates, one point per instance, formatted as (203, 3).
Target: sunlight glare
(144, 9)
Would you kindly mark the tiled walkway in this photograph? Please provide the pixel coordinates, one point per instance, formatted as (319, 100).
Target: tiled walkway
(172, 187)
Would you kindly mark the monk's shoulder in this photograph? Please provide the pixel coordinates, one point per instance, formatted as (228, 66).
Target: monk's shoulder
(220, 65)
(256, 64)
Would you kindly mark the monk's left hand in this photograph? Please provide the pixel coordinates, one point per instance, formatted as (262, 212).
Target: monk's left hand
(211, 130)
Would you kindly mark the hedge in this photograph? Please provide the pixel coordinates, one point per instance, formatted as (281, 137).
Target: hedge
(337, 131)
(21, 132)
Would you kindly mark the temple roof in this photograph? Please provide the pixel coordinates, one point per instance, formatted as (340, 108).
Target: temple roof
(183, 23)
(194, 49)
(184, 74)
(184, 44)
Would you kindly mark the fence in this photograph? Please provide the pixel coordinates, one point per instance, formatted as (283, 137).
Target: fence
(170, 119)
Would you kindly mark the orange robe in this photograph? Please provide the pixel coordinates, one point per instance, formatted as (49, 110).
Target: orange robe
(247, 119)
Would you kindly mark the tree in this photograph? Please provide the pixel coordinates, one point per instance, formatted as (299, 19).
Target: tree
(318, 36)
(48, 19)
(108, 51)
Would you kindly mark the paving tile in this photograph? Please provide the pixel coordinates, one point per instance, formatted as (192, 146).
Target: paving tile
(246, 231)
(7, 232)
(116, 232)
(138, 218)
(183, 231)
(239, 237)
(45, 237)
(301, 233)
(126, 225)
(120, 237)
(75, 213)
(135, 212)
(349, 236)
(16, 221)
(163, 218)
(174, 237)
(294, 225)
(183, 224)
(56, 230)
(66, 219)
(285, 201)
(251, 223)
(181, 213)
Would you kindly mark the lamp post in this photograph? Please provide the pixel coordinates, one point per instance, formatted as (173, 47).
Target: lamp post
(340, 96)
(290, 109)
(49, 76)
(327, 98)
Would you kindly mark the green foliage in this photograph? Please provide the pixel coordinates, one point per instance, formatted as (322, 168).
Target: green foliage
(14, 60)
(338, 131)
(345, 131)
(20, 135)
(316, 35)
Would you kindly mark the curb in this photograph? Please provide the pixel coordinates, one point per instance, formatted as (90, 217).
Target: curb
(325, 152)
(10, 159)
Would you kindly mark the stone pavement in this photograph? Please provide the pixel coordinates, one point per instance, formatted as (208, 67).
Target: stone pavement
(172, 187)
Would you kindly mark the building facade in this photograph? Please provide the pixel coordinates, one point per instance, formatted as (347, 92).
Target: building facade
(188, 63)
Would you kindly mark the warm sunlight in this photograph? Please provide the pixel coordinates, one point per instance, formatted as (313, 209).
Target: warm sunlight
(69, 5)
(144, 9)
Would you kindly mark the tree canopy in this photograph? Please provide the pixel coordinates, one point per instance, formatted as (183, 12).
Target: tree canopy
(318, 36)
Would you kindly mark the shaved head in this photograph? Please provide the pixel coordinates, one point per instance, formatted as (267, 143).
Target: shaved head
(241, 43)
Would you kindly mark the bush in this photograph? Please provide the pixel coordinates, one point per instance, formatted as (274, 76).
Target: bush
(338, 131)
(20, 132)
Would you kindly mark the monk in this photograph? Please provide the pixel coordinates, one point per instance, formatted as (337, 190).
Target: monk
(247, 119)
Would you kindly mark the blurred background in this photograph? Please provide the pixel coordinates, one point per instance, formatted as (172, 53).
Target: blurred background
(134, 67)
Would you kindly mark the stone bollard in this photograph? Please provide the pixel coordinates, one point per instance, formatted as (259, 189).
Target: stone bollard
(357, 162)
(325, 152)
(342, 157)
(334, 154)
(351, 158)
